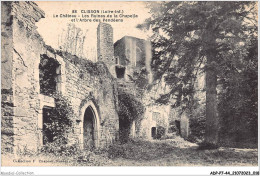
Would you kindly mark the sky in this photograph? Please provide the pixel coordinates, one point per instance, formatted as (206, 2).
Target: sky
(50, 28)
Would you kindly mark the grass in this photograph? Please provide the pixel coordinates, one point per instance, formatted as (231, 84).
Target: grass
(169, 152)
(139, 150)
(172, 152)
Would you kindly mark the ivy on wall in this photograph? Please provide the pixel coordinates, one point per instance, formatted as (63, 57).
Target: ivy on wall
(129, 109)
(58, 123)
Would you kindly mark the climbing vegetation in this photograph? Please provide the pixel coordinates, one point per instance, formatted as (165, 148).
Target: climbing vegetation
(58, 123)
(129, 110)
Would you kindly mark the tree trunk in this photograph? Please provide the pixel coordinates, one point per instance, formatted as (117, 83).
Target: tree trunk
(212, 120)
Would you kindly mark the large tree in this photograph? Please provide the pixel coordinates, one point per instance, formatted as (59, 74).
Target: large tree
(208, 36)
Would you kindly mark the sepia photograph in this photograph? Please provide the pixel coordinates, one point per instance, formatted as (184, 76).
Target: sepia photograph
(130, 83)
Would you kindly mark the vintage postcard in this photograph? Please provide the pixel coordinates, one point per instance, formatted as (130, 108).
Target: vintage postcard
(121, 83)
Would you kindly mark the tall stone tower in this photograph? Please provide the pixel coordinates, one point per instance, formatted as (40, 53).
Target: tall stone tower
(105, 44)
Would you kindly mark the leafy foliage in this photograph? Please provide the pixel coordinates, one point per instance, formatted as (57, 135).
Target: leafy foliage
(238, 101)
(160, 132)
(98, 68)
(129, 109)
(140, 78)
(197, 128)
(58, 121)
(181, 44)
(218, 38)
(58, 149)
(139, 150)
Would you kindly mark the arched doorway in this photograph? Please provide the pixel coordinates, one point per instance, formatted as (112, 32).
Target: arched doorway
(88, 129)
(89, 136)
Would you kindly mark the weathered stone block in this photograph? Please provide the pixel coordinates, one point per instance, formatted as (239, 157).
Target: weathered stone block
(20, 111)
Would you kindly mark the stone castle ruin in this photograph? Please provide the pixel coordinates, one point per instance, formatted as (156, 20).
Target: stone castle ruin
(90, 87)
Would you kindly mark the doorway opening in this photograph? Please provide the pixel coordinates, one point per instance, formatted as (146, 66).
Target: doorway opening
(154, 132)
(48, 135)
(120, 71)
(88, 129)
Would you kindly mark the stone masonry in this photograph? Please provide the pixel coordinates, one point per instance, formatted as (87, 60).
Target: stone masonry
(86, 84)
(92, 88)
(105, 46)
(134, 54)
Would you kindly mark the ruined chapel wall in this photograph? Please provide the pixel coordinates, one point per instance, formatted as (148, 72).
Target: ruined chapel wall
(83, 86)
(119, 51)
(6, 46)
(21, 98)
(24, 55)
(7, 107)
(105, 46)
(154, 116)
(134, 54)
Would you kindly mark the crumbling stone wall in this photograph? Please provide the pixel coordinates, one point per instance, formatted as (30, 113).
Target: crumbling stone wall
(87, 81)
(7, 104)
(20, 74)
(22, 104)
(119, 51)
(105, 46)
(134, 54)
(154, 116)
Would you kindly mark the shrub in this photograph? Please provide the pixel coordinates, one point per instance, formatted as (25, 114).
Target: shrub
(116, 150)
(136, 150)
(172, 129)
(207, 146)
(129, 109)
(59, 149)
(59, 121)
(197, 123)
(197, 129)
(160, 132)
